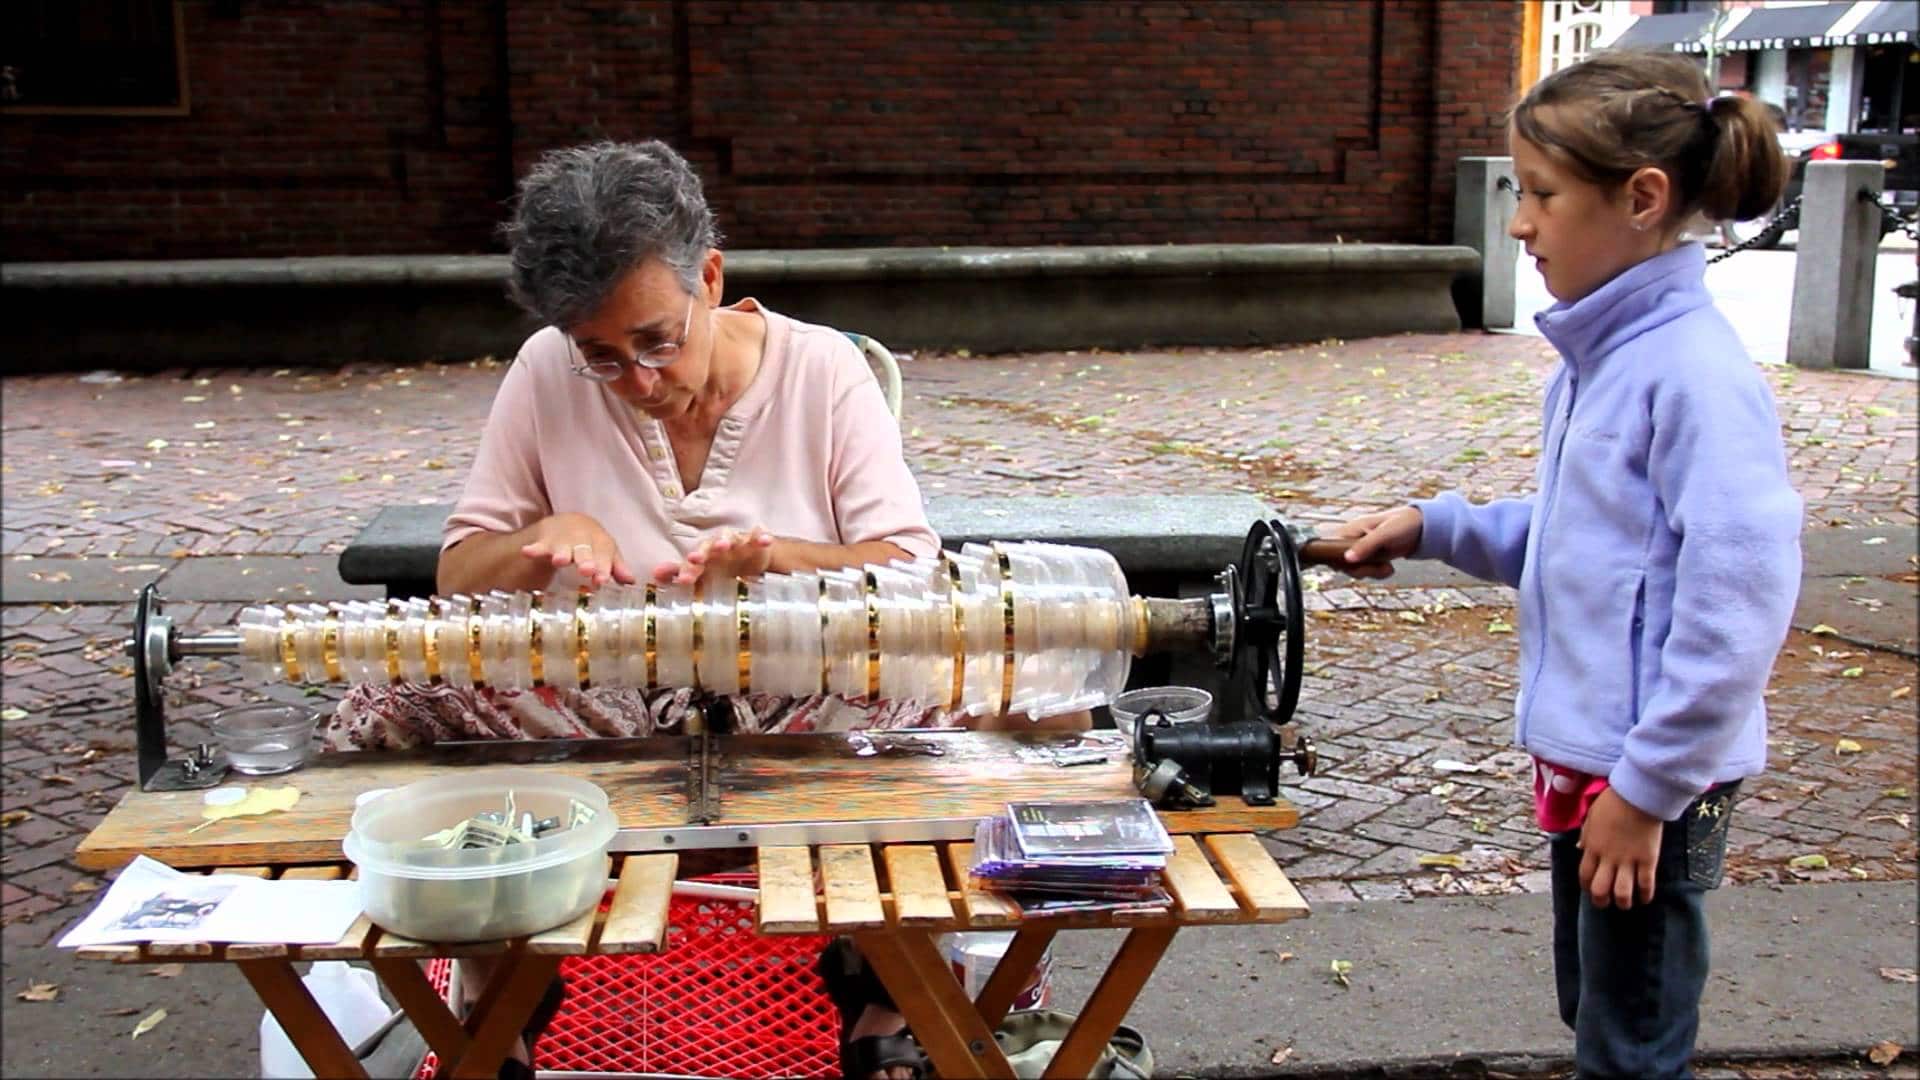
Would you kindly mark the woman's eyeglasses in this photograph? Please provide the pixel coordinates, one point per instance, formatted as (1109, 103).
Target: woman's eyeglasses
(607, 370)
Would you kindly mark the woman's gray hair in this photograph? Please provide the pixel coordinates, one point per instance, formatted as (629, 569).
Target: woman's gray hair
(588, 215)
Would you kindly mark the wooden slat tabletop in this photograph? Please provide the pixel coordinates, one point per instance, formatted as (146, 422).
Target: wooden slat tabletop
(765, 780)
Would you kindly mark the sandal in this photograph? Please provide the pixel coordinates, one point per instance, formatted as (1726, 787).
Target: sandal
(852, 986)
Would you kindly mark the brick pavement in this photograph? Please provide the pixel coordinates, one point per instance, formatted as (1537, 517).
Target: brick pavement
(193, 465)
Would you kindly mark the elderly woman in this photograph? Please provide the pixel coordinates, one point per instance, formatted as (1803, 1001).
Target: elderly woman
(651, 431)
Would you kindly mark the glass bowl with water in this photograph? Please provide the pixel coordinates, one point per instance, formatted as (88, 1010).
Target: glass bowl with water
(267, 738)
(1179, 704)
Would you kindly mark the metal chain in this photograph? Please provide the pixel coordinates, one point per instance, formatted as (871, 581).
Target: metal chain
(1791, 207)
(1908, 223)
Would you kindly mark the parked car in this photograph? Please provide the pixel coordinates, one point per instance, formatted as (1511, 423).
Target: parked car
(1902, 187)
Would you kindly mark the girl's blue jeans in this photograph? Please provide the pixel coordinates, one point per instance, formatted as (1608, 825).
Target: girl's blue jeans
(1629, 981)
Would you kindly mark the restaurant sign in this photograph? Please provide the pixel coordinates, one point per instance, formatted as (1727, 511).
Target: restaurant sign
(1817, 41)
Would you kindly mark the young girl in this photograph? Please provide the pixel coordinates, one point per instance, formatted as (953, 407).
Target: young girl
(1658, 560)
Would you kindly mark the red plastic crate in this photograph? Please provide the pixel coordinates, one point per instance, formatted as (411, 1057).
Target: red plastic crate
(718, 1000)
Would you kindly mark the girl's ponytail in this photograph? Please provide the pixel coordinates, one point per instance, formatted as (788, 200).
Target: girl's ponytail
(1748, 170)
(1619, 111)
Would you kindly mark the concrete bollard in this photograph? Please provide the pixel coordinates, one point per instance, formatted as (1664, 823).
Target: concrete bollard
(1832, 316)
(1482, 209)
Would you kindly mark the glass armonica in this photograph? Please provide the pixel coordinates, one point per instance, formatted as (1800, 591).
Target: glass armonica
(1031, 628)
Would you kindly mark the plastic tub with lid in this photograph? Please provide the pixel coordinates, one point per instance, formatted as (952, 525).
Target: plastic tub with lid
(479, 894)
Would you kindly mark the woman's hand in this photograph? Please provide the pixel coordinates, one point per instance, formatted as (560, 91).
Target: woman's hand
(1378, 539)
(1620, 846)
(578, 541)
(728, 553)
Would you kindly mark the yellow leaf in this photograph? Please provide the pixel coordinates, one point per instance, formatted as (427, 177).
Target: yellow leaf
(1895, 793)
(40, 992)
(256, 802)
(157, 444)
(14, 817)
(1884, 1052)
(1281, 1055)
(13, 713)
(84, 886)
(1823, 628)
(1412, 617)
(1341, 969)
(1499, 626)
(1454, 862)
(1852, 673)
(1808, 862)
(1900, 693)
(1846, 746)
(149, 1022)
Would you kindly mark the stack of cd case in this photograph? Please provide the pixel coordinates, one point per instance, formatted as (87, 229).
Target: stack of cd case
(1067, 857)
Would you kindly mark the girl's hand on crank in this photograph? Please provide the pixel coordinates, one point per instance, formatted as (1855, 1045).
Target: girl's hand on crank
(1378, 539)
(728, 553)
(579, 541)
(1620, 846)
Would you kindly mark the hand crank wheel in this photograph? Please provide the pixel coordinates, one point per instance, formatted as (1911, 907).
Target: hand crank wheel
(1269, 636)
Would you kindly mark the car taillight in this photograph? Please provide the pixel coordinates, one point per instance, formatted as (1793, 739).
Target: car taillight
(1825, 152)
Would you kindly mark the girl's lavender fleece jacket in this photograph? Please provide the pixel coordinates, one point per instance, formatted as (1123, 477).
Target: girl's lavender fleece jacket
(1658, 561)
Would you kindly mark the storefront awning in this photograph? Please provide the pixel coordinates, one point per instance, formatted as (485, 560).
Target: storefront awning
(1662, 31)
(1804, 27)
(1889, 23)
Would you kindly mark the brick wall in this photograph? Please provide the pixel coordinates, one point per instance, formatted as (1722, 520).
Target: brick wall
(350, 127)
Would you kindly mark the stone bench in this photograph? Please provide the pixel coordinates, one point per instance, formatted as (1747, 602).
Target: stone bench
(1167, 545)
(333, 310)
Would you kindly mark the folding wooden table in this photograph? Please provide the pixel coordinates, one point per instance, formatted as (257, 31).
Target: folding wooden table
(892, 895)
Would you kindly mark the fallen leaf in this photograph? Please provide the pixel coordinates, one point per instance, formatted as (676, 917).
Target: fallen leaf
(1846, 746)
(127, 1010)
(1884, 1052)
(13, 713)
(157, 444)
(1281, 1055)
(1874, 541)
(1412, 617)
(257, 801)
(1823, 628)
(1905, 975)
(1448, 765)
(151, 1021)
(40, 992)
(1286, 956)
(1852, 673)
(1808, 862)
(167, 971)
(1499, 626)
(1443, 790)
(1341, 969)
(56, 778)
(1451, 861)
(14, 817)
(1480, 825)
(1900, 693)
(1895, 793)
(84, 886)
